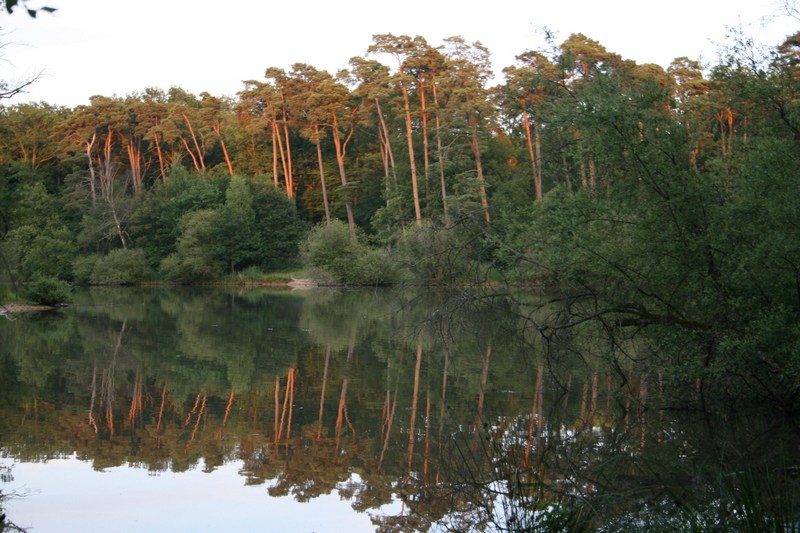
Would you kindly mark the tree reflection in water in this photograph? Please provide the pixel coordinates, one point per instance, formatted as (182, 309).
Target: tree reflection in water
(379, 397)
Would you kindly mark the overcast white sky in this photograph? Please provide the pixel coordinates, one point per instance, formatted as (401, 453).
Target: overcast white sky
(116, 47)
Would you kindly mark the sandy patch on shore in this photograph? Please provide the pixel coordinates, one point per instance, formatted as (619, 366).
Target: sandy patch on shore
(22, 308)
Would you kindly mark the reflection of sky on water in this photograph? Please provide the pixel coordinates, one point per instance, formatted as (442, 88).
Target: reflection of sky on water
(67, 495)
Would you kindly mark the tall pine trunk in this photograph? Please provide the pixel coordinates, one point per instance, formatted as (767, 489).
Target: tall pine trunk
(340, 152)
(411, 157)
(476, 152)
(322, 177)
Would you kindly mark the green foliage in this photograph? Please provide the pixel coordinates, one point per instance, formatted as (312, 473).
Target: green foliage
(122, 266)
(41, 251)
(333, 249)
(330, 248)
(5, 292)
(39, 244)
(699, 263)
(36, 206)
(51, 254)
(257, 225)
(372, 267)
(234, 225)
(194, 258)
(434, 254)
(82, 268)
(277, 227)
(48, 290)
(156, 223)
(104, 220)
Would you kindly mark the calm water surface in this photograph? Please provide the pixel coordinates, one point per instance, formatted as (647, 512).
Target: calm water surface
(190, 410)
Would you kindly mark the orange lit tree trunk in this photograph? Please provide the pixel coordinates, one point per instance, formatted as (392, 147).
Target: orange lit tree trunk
(92, 178)
(288, 406)
(104, 163)
(411, 157)
(191, 154)
(134, 150)
(92, 421)
(161, 408)
(537, 178)
(136, 398)
(278, 136)
(342, 410)
(388, 431)
(322, 392)
(157, 143)
(199, 163)
(200, 414)
(415, 397)
(217, 131)
(289, 163)
(225, 418)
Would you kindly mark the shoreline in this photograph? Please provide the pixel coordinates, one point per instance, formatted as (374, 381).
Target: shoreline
(12, 308)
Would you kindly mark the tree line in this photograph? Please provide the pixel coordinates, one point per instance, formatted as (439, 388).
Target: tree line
(409, 140)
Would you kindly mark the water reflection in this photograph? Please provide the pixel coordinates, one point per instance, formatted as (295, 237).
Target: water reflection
(415, 411)
(124, 499)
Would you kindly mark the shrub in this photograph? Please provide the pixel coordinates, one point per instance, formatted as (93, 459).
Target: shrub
(333, 249)
(194, 259)
(433, 254)
(120, 267)
(373, 267)
(82, 268)
(47, 251)
(48, 290)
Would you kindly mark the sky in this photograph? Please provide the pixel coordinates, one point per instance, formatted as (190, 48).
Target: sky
(116, 47)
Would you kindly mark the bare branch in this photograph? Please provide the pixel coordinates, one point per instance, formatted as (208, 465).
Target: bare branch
(7, 91)
(791, 9)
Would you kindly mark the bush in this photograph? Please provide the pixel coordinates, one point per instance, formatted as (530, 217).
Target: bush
(434, 254)
(47, 251)
(82, 268)
(48, 290)
(194, 259)
(333, 249)
(373, 267)
(120, 267)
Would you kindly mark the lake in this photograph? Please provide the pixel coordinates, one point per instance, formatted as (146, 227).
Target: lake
(181, 409)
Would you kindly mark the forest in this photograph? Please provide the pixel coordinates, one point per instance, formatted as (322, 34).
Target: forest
(654, 202)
